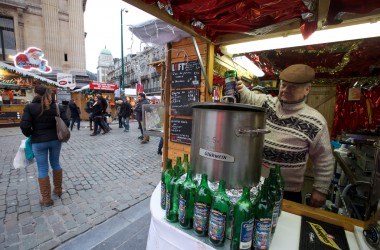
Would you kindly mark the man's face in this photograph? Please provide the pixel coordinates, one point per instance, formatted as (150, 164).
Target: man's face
(293, 93)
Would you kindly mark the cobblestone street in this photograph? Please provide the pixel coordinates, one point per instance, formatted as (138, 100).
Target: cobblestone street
(102, 176)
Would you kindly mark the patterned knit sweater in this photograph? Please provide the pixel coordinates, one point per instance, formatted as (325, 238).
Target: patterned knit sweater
(297, 133)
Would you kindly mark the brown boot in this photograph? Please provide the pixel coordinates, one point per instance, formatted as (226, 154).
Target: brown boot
(57, 180)
(45, 191)
(145, 140)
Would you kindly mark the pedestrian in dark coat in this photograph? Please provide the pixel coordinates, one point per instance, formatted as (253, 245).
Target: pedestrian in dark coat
(75, 114)
(38, 121)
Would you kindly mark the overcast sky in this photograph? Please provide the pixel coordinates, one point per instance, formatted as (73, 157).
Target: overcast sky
(102, 25)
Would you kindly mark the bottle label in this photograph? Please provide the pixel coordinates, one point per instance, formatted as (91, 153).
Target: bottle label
(276, 213)
(230, 86)
(167, 205)
(181, 209)
(201, 214)
(217, 225)
(163, 194)
(262, 233)
(216, 155)
(246, 234)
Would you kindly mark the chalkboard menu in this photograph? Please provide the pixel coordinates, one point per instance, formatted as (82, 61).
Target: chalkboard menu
(181, 100)
(186, 74)
(180, 130)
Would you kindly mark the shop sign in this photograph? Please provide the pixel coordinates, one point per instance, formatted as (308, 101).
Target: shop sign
(32, 59)
(103, 86)
(65, 80)
(139, 88)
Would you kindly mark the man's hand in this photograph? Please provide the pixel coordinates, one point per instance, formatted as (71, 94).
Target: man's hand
(239, 84)
(317, 199)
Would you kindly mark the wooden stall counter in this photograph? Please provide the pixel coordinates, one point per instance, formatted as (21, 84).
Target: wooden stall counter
(165, 235)
(10, 114)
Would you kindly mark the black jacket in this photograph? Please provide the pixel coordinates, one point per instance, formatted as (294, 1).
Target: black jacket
(126, 110)
(97, 109)
(75, 111)
(42, 128)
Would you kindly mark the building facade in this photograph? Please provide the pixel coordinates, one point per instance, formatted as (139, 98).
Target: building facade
(137, 70)
(54, 26)
(105, 65)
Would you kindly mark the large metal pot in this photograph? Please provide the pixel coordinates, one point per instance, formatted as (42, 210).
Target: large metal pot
(227, 142)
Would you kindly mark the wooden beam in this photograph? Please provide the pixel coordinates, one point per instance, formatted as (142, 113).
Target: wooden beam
(164, 16)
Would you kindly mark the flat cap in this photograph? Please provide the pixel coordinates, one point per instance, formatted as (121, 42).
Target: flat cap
(298, 73)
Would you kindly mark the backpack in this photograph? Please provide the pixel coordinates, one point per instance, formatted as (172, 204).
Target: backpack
(104, 104)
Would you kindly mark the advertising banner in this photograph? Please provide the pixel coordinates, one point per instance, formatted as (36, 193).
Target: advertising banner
(103, 86)
(65, 80)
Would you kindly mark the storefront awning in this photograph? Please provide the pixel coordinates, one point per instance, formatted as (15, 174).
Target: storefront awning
(12, 76)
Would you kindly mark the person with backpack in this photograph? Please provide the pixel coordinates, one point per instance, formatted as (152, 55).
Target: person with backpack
(103, 121)
(38, 121)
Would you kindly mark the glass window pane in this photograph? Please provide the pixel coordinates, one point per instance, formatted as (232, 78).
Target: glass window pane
(9, 40)
(6, 22)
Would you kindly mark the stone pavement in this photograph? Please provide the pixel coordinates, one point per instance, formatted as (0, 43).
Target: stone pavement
(105, 177)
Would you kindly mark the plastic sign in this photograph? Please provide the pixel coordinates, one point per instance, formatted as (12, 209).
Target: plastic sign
(103, 86)
(65, 80)
(32, 59)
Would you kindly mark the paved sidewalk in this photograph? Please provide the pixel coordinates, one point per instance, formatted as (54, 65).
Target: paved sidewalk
(104, 176)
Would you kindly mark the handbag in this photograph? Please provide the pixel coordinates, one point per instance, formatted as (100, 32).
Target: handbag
(63, 131)
(28, 149)
(20, 160)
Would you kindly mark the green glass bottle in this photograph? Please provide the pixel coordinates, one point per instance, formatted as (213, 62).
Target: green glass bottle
(275, 191)
(243, 222)
(185, 163)
(281, 184)
(218, 215)
(263, 212)
(171, 207)
(202, 205)
(165, 177)
(186, 201)
(178, 183)
(178, 163)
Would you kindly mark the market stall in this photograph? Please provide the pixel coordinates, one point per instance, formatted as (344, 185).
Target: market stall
(16, 90)
(195, 70)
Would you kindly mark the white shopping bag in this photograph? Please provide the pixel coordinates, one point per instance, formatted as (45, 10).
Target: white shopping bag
(20, 160)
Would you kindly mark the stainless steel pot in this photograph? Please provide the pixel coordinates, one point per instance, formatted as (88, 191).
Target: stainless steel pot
(227, 142)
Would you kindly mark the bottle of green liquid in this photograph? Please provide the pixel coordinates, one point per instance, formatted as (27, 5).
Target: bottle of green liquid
(185, 163)
(275, 191)
(202, 205)
(178, 163)
(165, 177)
(281, 184)
(177, 185)
(186, 201)
(243, 222)
(218, 215)
(172, 197)
(263, 212)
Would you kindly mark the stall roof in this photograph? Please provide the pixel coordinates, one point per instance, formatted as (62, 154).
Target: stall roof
(26, 73)
(233, 21)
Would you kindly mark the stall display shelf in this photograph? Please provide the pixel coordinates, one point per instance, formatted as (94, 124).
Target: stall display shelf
(165, 235)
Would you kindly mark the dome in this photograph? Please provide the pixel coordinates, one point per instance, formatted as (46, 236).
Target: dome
(106, 51)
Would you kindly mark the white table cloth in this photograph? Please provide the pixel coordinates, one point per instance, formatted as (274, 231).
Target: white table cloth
(166, 236)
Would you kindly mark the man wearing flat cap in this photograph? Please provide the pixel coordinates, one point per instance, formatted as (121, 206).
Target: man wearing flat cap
(298, 132)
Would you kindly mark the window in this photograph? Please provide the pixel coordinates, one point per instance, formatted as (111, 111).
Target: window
(65, 57)
(7, 39)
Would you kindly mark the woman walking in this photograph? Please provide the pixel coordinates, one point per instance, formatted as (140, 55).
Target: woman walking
(39, 122)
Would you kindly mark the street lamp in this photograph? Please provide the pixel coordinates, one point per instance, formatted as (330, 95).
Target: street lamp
(122, 92)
